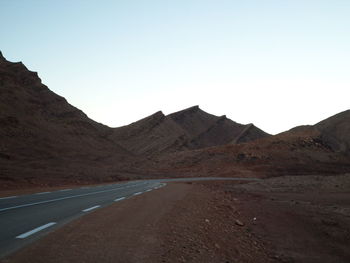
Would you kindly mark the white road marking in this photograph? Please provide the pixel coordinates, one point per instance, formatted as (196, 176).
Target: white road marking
(159, 186)
(42, 193)
(63, 190)
(119, 199)
(31, 232)
(91, 208)
(138, 193)
(8, 197)
(58, 199)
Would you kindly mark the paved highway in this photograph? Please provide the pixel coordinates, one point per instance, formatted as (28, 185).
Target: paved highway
(23, 219)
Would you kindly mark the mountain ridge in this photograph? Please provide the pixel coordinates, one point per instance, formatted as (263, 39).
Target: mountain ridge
(191, 128)
(46, 141)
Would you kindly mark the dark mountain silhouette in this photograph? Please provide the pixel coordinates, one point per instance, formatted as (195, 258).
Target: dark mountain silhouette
(191, 128)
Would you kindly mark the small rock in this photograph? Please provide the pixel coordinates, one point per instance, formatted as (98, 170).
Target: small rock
(207, 221)
(239, 223)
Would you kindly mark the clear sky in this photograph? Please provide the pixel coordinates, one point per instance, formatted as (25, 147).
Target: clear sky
(274, 63)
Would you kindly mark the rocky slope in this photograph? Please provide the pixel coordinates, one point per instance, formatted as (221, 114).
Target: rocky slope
(335, 131)
(322, 148)
(188, 129)
(44, 138)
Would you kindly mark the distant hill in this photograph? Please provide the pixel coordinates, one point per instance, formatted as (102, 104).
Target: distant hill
(333, 131)
(311, 149)
(188, 129)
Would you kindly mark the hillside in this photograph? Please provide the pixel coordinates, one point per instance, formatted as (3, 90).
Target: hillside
(45, 139)
(335, 131)
(322, 148)
(188, 129)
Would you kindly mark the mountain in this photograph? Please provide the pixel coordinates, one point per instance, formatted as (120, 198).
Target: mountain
(45, 138)
(188, 129)
(322, 148)
(335, 131)
(46, 141)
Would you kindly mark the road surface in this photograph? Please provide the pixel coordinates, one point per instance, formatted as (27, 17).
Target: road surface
(24, 219)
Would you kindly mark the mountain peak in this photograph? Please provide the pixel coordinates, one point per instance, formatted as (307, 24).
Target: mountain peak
(195, 107)
(192, 109)
(186, 112)
(159, 115)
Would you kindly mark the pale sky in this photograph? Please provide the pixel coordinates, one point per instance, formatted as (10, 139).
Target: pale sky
(274, 63)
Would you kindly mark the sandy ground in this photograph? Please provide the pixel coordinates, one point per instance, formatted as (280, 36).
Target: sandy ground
(286, 219)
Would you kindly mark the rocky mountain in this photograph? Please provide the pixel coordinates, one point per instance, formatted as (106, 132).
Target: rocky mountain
(45, 140)
(43, 136)
(335, 131)
(188, 129)
(311, 149)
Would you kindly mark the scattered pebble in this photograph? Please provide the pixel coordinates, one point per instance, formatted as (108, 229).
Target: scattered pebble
(239, 223)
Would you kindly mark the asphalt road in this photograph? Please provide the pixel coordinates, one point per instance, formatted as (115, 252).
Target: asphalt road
(24, 219)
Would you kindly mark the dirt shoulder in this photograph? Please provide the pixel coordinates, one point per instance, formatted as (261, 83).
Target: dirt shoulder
(299, 218)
